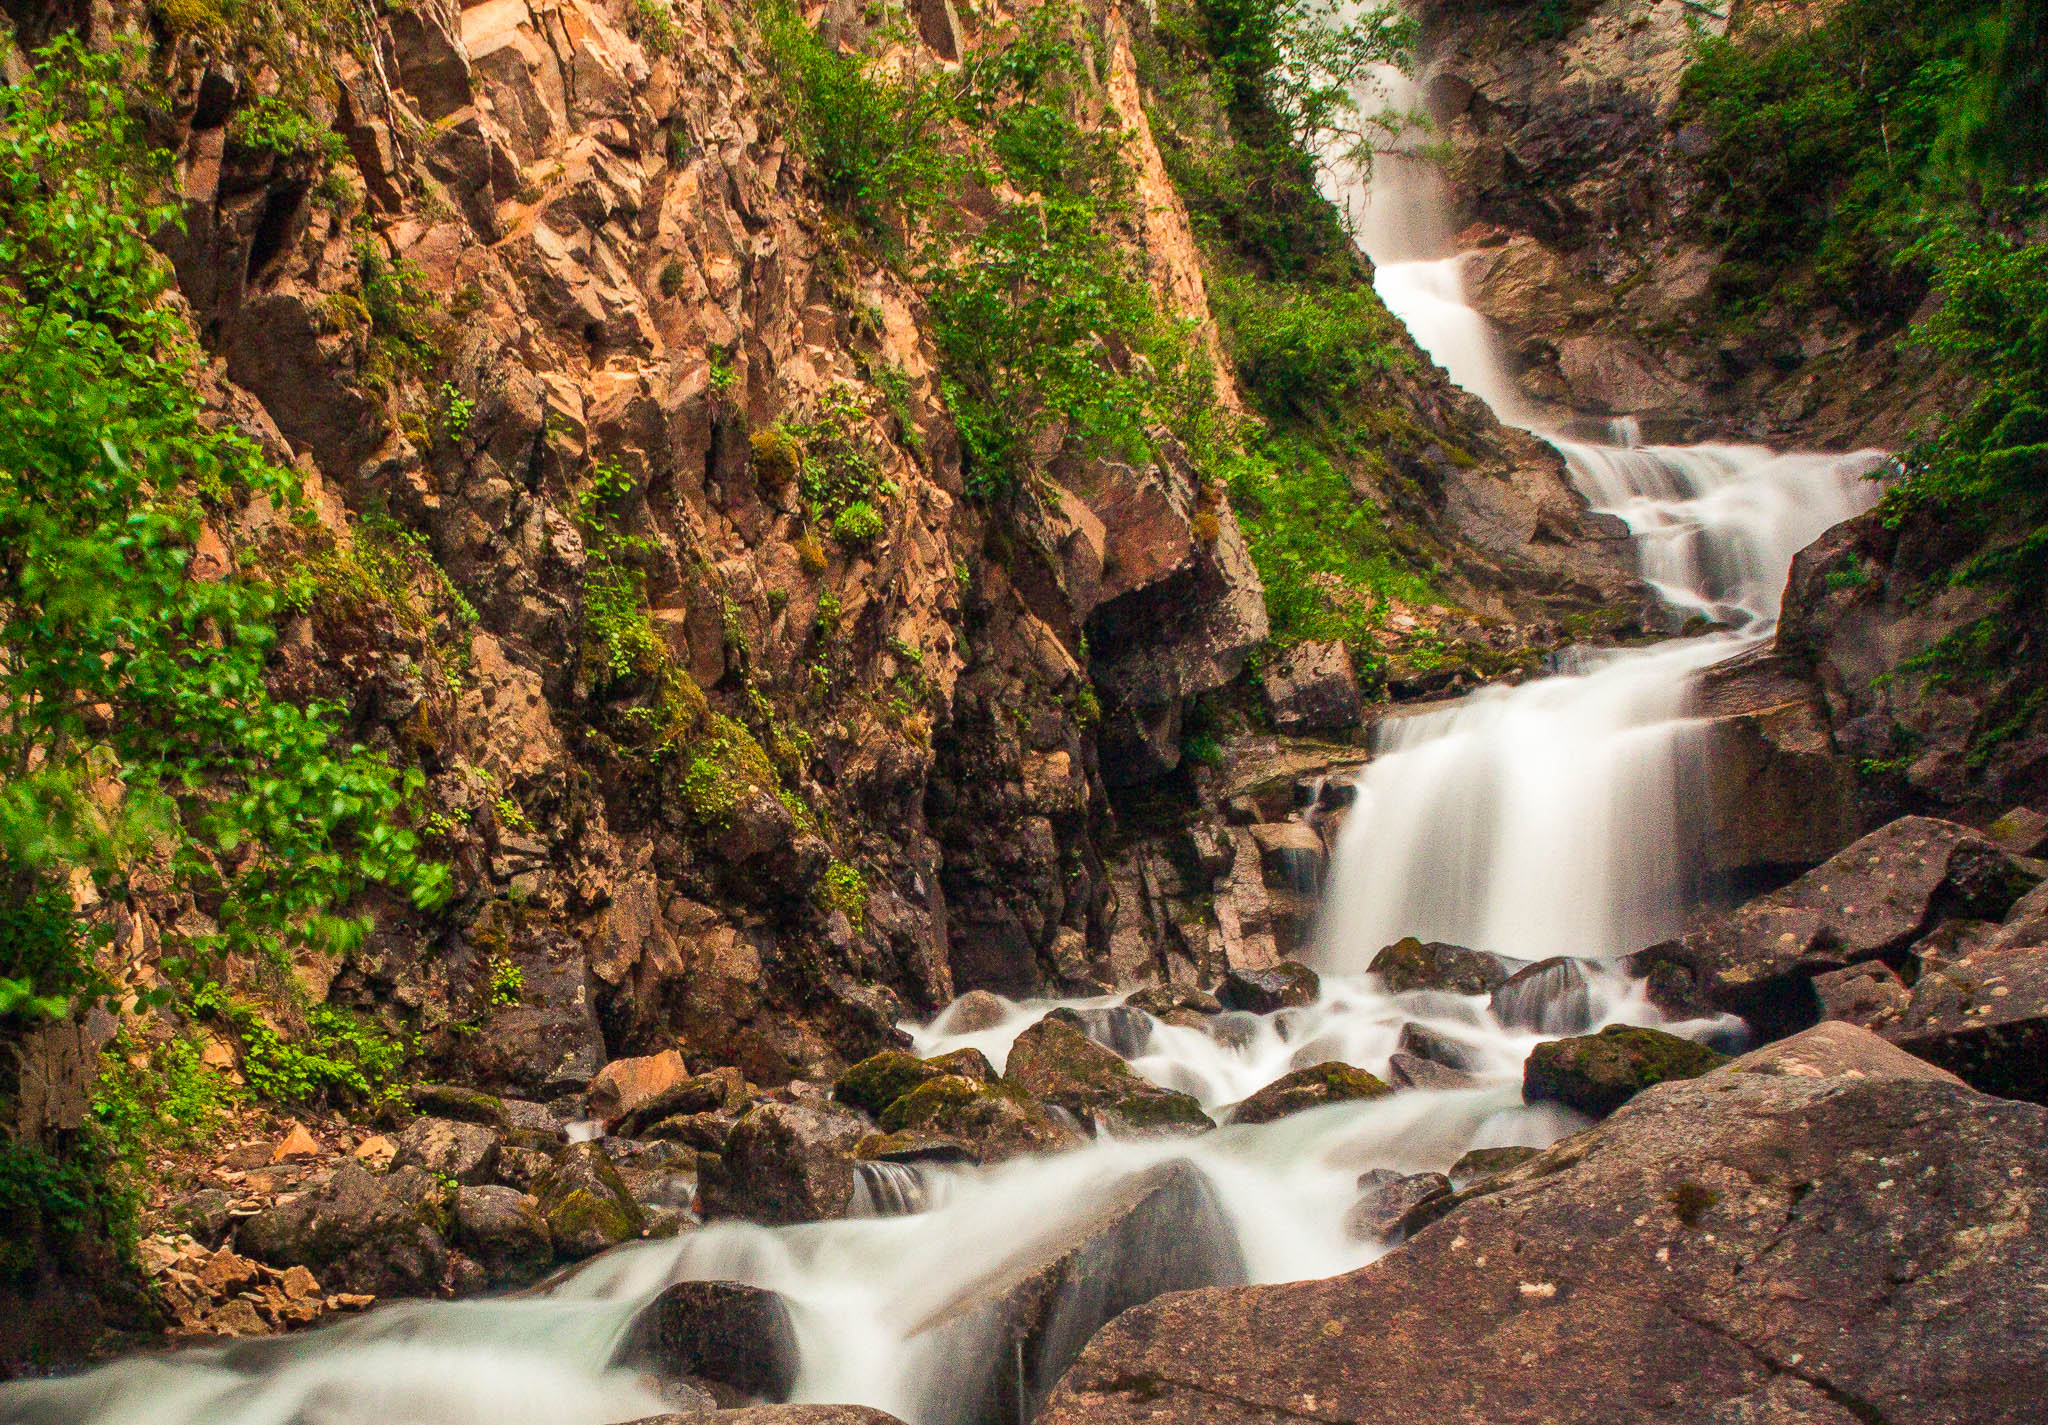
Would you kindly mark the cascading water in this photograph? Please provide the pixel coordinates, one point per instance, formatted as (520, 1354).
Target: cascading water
(1531, 822)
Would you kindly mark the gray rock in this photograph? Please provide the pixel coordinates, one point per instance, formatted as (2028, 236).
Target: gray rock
(723, 1332)
(586, 1203)
(1741, 1247)
(784, 1163)
(1412, 1073)
(1412, 964)
(1489, 1162)
(446, 1147)
(1598, 1073)
(1393, 1205)
(1287, 985)
(1055, 1062)
(358, 1233)
(1311, 688)
(1985, 1019)
(503, 1229)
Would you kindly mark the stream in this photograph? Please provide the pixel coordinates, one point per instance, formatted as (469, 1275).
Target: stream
(1530, 821)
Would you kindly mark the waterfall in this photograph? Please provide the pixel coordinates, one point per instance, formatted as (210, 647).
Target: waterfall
(1532, 822)
(1545, 819)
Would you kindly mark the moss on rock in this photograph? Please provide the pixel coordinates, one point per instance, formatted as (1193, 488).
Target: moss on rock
(1313, 1087)
(1598, 1073)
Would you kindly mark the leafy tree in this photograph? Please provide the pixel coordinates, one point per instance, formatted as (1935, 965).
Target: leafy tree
(136, 727)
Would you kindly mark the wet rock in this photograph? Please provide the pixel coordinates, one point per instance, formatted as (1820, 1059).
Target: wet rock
(624, 1085)
(1055, 1062)
(1737, 1247)
(1489, 1162)
(1985, 1019)
(2022, 831)
(1872, 901)
(1286, 985)
(1291, 856)
(1410, 1072)
(461, 1104)
(1410, 964)
(705, 1132)
(357, 1233)
(722, 1332)
(505, 1231)
(1393, 1205)
(1161, 1000)
(993, 1118)
(1123, 1031)
(1550, 997)
(1311, 688)
(910, 1145)
(879, 1080)
(587, 1204)
(784, 1163)
(1426, 1043)
(1313, 1087)
(1598, 1073)
(722, 1090)
(1870, 994)
(975, 1011)
(1158, 1231)
(446, 1147)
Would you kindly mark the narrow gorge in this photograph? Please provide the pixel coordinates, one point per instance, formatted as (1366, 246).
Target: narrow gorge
(1005, 714)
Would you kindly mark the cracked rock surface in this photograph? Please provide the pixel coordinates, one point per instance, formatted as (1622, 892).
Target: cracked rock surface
(1818, 1247)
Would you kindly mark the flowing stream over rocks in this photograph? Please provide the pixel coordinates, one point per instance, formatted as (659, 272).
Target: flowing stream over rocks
(1530, 822)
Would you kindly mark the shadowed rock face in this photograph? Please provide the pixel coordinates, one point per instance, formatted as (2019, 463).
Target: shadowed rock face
(1771, 1242)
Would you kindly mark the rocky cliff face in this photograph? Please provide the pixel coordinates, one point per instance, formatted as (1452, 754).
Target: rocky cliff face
(570, 291)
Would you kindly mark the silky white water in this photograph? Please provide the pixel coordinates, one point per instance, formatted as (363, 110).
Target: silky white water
(1531, 821)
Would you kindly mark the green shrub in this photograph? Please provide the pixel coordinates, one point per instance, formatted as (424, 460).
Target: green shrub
(859, 523)
(272, 124)
(1305, 350)
(844, 888)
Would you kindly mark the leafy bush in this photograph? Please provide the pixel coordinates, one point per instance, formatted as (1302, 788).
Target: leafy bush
(859, 523)
(340, 1057)
(273, 124)
(135, 720)
(1305, 349)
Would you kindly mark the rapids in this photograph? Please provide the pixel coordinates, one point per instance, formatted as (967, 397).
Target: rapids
(1531, 821)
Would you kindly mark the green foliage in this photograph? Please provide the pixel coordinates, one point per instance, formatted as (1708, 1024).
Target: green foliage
(859, 523)
(405, 320)
(844, 888)
(52, 1199)
(1822, 139)
(507, 984)
(135, 719)
(273, 124)
(874, 139)
(386, 564)
(341, 1058)
(1322, 552)
(654, 25)
(457, 411)
(1305, 349)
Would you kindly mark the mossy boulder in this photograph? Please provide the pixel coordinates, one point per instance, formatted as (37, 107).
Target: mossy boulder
(587, 1204)
(784, 1163)
(1313, 1087)
(1598, 1073)
(464, 1105)
(996, 1119)
(880, 1079)
(1057, 1063)
(1489, 1162)
(1410, 964)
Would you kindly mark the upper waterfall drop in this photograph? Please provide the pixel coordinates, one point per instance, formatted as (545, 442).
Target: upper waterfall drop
(1545, 819)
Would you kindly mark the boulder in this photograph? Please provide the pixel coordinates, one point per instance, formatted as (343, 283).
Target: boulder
(1869, 994)
(461, 1104)
(722, 1332)
(722, 1090)
(1312, 1087)
(586, 1203)
(1741, 1247)
(1549, 997)
(994, 1120)
(973, 1012)
(1410, 1072)
(449, 1148)
(1056, 1062)
(784, 1163)
(625, 1084)
(2022, 831)
(1118, 1028)
(1311, 688)
(1598, 1073)
(1291, 856)
(1158, 1231)
(1286, 985)
(1830, 1050)
(1871, 901)
(1985, 1019)
(505, 1231)
(1391, 1205)
(1410, 964)
(1489, 1162)
(382, 1236)
(879, 1080)
(1425, 1043)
